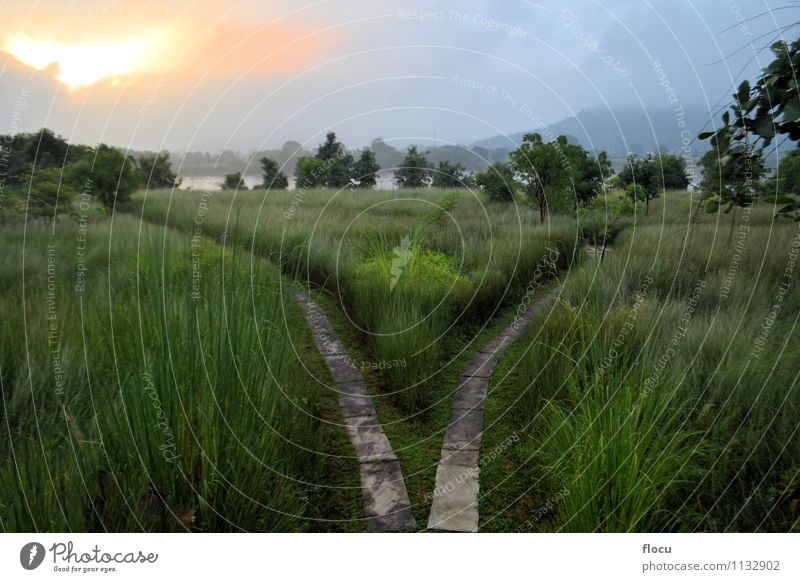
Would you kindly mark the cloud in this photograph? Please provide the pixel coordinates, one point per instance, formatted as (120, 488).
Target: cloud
(122, 42)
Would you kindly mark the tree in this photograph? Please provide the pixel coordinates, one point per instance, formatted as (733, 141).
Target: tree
(338, 162)
(497, 181)
(542, 168)
(329, 148)
(46, 149)
(340, 169)
(449, 175)
(157, 171)
(47, 197)
(366, 169)
(234, 181)
(760, 113)
(672, 172)
(731, 179)
(274, 179)
(311, 172)
(414, 172)
(586, 172)
(106, 174)
(786, 178)
(644, 175)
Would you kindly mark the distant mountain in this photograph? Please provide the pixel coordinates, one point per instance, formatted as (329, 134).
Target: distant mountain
(621, 131)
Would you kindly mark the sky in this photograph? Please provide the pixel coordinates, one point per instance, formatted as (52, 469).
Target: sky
(248, 75)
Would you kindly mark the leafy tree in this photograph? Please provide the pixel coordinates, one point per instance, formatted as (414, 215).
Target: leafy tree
(47, 197)
(731, 179)
(672, 171)
(42, 149)
(311, 172)
(760, 113)
(788, 173)
(107, 173)
(497, 181)
(414, 172)
(338, 162)
(586, 172)
(234, 181)
(644, 174)
(274, 179)
(340, 169)
(366, 169)
(542, 169)
(449, 175)
(329, 148)
(157, 171)
(45, 149)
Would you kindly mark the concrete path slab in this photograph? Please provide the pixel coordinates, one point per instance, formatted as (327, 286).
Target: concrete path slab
(455, 497)
(386, 502)
(385, 497)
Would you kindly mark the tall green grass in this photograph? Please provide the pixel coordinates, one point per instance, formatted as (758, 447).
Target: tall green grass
(166, 412)
(645, 389)
(466, 260)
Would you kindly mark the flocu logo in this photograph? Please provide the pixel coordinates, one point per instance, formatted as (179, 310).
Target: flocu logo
(31, 555)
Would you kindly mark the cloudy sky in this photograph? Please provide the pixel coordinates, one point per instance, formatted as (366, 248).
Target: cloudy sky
(207, 75)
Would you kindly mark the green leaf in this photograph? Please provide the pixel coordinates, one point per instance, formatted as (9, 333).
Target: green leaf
(705, 134)
(743, 95)
(765, 128)
(712, 206)
(779, 199)
(791, 111)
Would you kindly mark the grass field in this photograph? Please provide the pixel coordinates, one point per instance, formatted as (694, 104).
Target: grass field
(163, 381)
(411, 270)
(142, 393)
(660, 393)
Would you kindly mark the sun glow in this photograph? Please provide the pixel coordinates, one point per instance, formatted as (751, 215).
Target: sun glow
(81, 64)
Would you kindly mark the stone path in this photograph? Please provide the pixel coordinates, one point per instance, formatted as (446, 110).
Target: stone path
(386, 501)
(455, 495)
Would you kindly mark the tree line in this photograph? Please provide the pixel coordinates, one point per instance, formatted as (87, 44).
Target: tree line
(41, 173)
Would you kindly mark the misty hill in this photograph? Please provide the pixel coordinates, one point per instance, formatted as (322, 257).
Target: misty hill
(642, 132)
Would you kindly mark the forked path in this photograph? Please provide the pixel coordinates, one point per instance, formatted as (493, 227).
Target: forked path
(386, 501)
(455, 496)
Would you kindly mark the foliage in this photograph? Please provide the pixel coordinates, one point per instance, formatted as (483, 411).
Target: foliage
(330, 148)
(156, 171)
(414, 172)
(311, 172)
(106, 174)
(672, 171)
(23, 152)
(644, 175)
(497, 181)
(365, 170)
(542, 167)
(760, 113)
(234, 181)
(449, 175)
(601, 220)
(274, 179)
(731, 178)
(46, 197)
